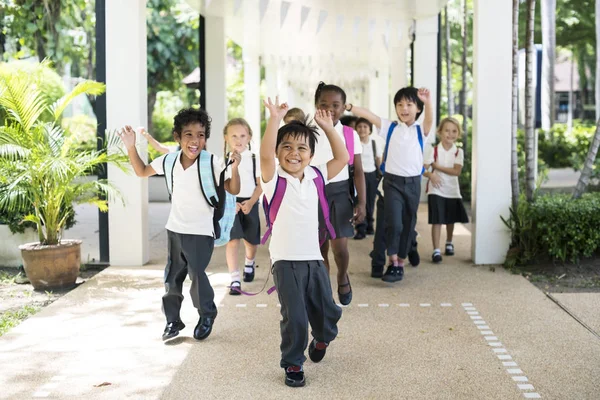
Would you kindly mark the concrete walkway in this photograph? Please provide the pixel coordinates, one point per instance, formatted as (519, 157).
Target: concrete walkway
(449, 331)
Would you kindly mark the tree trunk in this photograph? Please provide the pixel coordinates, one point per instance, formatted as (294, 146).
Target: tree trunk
(151, 102)
(548, 60)
(449, 65)
(530, 103)
(571, 93)
(583, 78)
(514, 176)
(463, 92)
(588, 166)
(597, 59)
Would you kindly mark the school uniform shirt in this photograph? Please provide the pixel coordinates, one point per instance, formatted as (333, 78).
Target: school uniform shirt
(295, 234)
(404, 157)
(190, 213)
(367, 157)
(247, 175)
(449, 187)
(323, 152)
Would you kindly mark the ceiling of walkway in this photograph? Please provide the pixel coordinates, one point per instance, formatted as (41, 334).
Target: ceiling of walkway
(318, 33)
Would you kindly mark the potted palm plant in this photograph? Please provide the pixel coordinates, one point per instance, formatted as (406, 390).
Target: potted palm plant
(42, 169)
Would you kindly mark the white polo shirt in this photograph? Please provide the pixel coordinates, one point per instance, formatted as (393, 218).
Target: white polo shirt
(247, 180)
(367, 157)
(449, 187)
(295, 234)
(405, 157)
(190, 213)
(323, 152)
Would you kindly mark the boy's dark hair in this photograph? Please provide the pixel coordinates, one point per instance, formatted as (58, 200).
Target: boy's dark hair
(348, 119)
(191, 116)
(300, 129)
(364, 121)
(329, 88)
(409, 93)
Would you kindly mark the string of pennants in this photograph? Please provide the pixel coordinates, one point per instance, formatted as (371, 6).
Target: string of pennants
(323, 16)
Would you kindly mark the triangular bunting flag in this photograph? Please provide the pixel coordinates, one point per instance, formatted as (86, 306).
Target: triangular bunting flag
(304, 15)
(285, 6)
(263, 8)
(322, 18)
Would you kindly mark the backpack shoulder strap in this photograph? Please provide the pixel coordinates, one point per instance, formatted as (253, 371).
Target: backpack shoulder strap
(420, 136)
(349, 139)
(387, 144)
(254, 168)
(320, 184)
(374, 145)
(168, 167)
(206, 176)
(272, 207)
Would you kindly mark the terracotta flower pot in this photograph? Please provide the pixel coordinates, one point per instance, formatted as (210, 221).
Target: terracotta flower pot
(52, 267)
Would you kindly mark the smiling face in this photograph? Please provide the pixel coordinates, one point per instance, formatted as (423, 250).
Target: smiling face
(407, 111)
(238, 138)
(331, 101)
(192, 140)
(294, 154)
(449, 133)
(363, 130)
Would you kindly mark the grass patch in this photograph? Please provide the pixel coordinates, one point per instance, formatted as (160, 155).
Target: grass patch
(7, 278)
(11, 319)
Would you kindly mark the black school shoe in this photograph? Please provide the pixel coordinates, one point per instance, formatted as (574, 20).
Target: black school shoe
(449, 249)
(345, 298)
(317, 350)
(370, 231)
(294, 377)
(376, 271)
(413, 257)
(204, 328)
(393, 274)
(359, 236)
(234, 290)
(172, 329)
(249, 276)
(436, 257)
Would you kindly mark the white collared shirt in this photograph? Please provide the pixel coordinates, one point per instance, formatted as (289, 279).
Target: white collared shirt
(405, 157)
(247, 181)
(190, 213)
(323, 152)
(449, 187)
(367, 156)
(295, 234)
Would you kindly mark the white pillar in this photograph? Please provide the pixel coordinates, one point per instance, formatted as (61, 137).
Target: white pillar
(250, 53)
(492, 76)
(126, 104)
(398, 72)
(426, 40)
(216, 89)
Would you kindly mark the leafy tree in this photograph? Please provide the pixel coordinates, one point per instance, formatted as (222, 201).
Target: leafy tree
(172, 47)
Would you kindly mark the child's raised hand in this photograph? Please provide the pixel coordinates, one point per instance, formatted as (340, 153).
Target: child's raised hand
(424, 95)
(127, 135)
(143, 132)
(276, 110)
(323, 119)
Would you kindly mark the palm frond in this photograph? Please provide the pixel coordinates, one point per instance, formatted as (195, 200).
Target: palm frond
(23, 101)
(13, 151)
(86, 87)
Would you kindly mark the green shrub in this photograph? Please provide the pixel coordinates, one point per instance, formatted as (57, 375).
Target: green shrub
(555, 227)
(82, 131)
(162, 127)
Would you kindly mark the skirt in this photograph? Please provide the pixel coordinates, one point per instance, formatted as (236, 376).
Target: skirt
(445, 211)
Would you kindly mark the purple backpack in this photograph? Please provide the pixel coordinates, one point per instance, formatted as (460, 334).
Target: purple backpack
(272, 208)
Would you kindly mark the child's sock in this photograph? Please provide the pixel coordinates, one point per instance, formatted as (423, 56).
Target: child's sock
(448, 242)
(249, 266)
(235, 276)
(436, 251)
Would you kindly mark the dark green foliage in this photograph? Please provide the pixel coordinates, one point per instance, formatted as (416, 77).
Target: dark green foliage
(554, 227)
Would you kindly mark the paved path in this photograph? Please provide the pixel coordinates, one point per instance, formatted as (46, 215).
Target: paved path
(450, 331)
